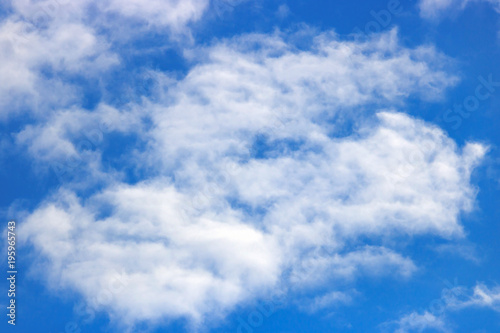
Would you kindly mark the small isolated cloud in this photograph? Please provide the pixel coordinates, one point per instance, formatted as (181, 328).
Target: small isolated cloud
(433, 8)
(465, 251)
(330, 300)
(415, 322)
(283, 11)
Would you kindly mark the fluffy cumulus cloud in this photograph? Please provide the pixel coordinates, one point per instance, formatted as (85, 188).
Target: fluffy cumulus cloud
(46, 45)
(172, 262)
(249, 182)
(32, 62)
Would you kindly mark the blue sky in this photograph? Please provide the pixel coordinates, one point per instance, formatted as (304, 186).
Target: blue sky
(251, 166)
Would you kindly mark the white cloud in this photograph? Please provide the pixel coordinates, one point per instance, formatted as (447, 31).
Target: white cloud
(317, 268)
(65, 133)
(329, 300)
(485, 297)
(174, 264)
(214, 225)
(436, 8)
(454, 299)
(415, 322)
(257, 83)
(46, 44)
(32, 62)
(173, 14)
(466, 251)
(373, 181)
(283, 11)
(432, 8)
(480, 296)
(222, 255)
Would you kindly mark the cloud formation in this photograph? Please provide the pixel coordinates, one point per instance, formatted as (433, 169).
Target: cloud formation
(48, 45)
(455, 299)
(250, 183)
(436, 8)
(415, 322)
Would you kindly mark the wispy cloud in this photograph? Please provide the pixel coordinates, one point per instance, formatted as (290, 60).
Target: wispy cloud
(436, 8)
(415, 322)
(454, 299)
